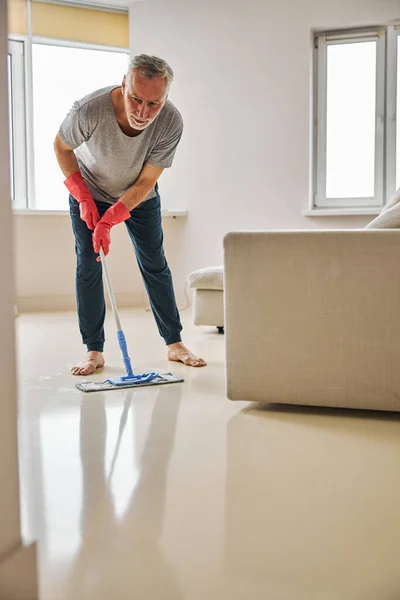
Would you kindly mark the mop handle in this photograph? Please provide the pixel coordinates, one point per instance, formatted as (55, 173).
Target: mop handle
(120, 334)
(110, 290)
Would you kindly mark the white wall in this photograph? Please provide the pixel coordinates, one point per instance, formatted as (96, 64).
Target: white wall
(45, 262)
(9, 498)
(12, 555)
(243, 85)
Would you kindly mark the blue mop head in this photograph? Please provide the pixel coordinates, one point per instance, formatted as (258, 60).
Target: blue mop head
(132, 378)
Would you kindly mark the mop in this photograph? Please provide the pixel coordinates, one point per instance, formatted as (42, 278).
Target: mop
(130, 380)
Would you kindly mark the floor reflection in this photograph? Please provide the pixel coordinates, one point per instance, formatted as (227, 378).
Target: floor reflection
(312, 503)
(103, 523)
(125, 554)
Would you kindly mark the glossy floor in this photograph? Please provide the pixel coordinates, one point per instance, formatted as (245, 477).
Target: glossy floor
(176, 493)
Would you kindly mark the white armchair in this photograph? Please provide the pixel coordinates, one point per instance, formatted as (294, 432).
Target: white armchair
(208, 297)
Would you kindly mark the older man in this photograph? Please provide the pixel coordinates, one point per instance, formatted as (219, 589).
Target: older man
(112, 148)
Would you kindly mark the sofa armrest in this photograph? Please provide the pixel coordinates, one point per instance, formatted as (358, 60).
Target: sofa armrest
(313, 317)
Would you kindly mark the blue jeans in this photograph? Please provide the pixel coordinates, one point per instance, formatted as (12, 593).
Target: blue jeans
(145, 230)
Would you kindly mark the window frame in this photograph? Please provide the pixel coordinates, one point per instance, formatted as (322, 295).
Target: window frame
(321, 43)
(24, 154)
(17, 126)
(393, 37)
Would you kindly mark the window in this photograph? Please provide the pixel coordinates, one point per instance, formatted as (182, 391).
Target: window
(57, 82)
(17, 134)
(397, 111)
(73, 73)
(357, 86)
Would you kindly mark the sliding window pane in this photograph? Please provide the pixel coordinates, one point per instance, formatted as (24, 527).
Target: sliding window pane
(398, 116)
(11, 126)
(351, 120)
(16, 123)
(62, 75)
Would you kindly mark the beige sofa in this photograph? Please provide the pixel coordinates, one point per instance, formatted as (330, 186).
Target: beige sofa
(313, 318)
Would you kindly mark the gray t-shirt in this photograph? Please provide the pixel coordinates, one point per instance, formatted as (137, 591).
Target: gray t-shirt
(109, 160)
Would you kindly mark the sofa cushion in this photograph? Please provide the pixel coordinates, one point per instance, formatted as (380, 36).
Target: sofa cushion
(211, 278)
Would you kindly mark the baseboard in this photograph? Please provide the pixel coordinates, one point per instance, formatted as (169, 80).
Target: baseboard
(18, 574)
(60, 303)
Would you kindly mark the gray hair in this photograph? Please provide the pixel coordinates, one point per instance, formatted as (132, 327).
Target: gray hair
(149, 67)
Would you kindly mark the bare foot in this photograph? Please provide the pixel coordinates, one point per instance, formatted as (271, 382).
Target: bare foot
(94, 360)
(179, 353)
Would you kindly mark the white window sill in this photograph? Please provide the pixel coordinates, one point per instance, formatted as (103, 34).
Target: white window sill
(342, 212)
(65, 213)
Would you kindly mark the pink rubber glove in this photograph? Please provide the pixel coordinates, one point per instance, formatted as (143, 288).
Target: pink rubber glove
(117, 213)
(87, 206)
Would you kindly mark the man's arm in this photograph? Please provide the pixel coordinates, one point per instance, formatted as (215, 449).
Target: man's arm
(147, 179)
(75, 183)
(66, 157)
(120, 210)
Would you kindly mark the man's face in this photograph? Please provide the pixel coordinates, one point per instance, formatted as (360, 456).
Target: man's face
(143, 99)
